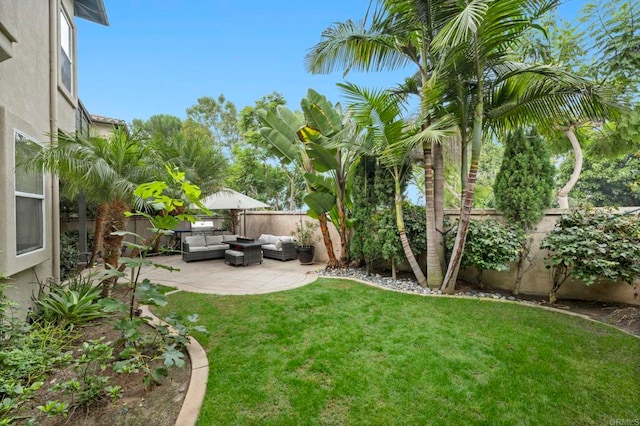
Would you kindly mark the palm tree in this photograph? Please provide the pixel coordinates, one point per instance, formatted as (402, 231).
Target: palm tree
(399, 34)
(477, 45)
(380, 114)
(107, 171)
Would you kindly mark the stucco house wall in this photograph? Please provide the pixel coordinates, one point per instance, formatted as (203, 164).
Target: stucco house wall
(35, 103)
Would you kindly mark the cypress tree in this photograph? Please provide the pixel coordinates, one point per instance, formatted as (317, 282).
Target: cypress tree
(523, 187)
(524, 184)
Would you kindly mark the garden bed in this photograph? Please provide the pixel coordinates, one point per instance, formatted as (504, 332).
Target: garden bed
(138, 404)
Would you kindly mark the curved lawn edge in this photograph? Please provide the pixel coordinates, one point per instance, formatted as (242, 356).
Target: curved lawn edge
(194, 397)
(483, 299)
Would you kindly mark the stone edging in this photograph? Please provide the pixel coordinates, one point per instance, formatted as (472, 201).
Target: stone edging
(199, 375)
(455, 296)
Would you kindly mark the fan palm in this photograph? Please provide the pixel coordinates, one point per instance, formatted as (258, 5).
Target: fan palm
(107, 171)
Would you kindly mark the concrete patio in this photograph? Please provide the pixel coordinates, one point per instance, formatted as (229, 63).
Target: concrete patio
(216, 277)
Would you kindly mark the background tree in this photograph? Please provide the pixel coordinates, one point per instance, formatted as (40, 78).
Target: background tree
(603, 47)
(256, 169)
(523, 187)
(220, 116)
(186, 145)
(606, 182)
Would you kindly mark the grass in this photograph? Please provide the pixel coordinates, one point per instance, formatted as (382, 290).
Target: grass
(338, 352)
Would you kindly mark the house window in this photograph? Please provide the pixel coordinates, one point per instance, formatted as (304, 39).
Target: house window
(29, 192)
(66, 51)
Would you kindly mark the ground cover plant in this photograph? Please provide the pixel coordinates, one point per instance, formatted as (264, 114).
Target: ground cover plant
(339, 352)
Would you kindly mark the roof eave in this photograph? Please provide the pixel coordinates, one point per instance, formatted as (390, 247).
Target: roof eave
(91, 10)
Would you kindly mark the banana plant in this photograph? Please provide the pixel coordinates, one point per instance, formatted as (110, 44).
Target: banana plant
(312, 140)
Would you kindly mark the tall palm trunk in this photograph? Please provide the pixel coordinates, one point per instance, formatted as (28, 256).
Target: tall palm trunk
(438, 199)
(450, 279)
(563, 194)
(98, 232)
(326, 238)
(115, 220)
(415, 267)
(434, 270)
(342, 221)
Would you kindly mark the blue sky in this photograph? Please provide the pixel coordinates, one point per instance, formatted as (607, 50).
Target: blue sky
(160, 56)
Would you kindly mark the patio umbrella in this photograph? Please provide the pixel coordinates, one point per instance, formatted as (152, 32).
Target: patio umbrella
(228, 199)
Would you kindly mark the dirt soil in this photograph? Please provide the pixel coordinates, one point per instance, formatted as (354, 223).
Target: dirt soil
(157, 406)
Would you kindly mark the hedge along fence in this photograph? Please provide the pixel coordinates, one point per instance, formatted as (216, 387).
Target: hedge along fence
(537, 281)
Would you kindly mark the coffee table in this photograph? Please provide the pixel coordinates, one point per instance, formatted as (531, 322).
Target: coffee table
(252, 250)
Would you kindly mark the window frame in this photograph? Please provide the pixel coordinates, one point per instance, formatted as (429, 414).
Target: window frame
(66, 23)
(28, 195)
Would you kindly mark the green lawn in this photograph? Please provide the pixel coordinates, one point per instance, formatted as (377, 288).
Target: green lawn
(338, 352)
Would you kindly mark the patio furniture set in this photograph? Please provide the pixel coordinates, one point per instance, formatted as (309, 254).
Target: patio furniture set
(236, 250)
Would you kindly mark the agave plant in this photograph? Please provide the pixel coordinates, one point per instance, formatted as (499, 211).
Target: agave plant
(69, 307)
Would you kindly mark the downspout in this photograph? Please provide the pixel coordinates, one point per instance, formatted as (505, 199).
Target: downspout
(53, 130)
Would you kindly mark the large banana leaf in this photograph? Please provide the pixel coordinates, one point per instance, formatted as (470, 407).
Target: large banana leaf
(321, 114)
(287, 151)
(320, 202)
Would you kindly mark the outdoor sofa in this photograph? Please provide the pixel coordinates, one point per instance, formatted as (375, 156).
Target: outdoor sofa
(278, 247)
(204, 247)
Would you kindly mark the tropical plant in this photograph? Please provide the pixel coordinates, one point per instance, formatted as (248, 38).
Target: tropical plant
(397, 34)
(65, 307)
(107, 171)
(379, 114)
(523, 188)
(477, 45)
(591, 245)
(165, 201)
(312, 141)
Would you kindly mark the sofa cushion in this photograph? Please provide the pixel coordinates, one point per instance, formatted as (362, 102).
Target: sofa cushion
(229, 237)
(213, 247)
(213, 239)
(195, 241)
(197, 248)
(264, 238)
(271, 247)
(283, 240)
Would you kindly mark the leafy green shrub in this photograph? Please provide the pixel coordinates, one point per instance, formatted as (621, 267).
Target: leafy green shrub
(25, 359)
(69, 254)
(380, 240)
(590, 244)
(89, 386)
(490, 245)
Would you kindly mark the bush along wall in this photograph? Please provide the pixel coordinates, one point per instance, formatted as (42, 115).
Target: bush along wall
(593, 245)
(490, 245)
